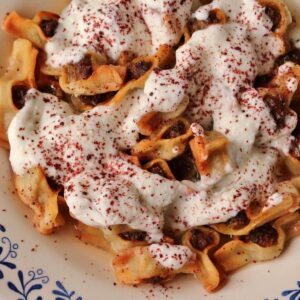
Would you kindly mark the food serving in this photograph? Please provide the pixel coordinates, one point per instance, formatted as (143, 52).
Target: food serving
(166, 131)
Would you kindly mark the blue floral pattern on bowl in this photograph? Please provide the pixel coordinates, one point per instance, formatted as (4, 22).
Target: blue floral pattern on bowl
(292, 294)
(29, 285)
(7, 252)
(63, 294)
(26, 287)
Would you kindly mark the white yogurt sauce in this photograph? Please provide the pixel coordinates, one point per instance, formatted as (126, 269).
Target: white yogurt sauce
(169, 256)
(272, 201)
(82, 152)
(110, 27)
(216, 69)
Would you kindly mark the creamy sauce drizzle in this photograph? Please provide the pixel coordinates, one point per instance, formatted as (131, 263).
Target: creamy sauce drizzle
(111, 27)
(169, 256)
(216, 69)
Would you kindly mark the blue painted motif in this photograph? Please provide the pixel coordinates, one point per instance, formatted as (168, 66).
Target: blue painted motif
(25, 287)
(8, 251)
(63, 294)
(2, 228)
(292, 294)
(28, 286)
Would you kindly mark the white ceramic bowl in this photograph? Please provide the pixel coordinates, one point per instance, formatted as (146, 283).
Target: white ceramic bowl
(59, 267)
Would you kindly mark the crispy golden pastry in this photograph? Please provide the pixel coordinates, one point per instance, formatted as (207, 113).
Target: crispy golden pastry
(136, 265)
(160, 167)
(15, 82)
(275, 9)
(139, 69)
(255, 215)
(37, 31)
(278, 96)
(202, 240)
(113, 239)
(186, 34)
(95, 78)
(122, 237)
(96, 81)
(293, 164)
(86, 78)
(167, 143)
(290, 223)
(166, 57)
(150, 122)
(215, 16)
(34, 190)
(292, 160)
(263, 243)
(125, 58)
(295, 181)
(50, 71)
(136, 73)
(4, 145)
(279, 87)
(92, 236)
(134, 160)
(211, 154)
(278, 13)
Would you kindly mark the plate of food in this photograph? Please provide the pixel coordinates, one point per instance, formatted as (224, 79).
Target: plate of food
(150, 149)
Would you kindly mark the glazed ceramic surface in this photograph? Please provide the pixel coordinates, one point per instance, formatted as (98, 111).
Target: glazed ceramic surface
(60, 267)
